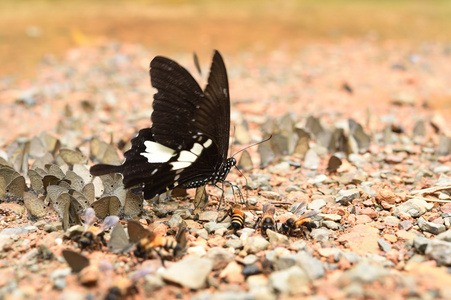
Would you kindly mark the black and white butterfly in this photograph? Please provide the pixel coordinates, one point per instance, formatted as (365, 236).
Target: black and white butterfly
(188, 142)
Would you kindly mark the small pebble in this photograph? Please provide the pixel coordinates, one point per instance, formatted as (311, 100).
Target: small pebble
(311, 265)
(331, 217)
(191, 272)
(384, 245)
(320, 234)
(405, 225)
(414, 207)
(212, 226)
(331, 225)
(256, 243)
(344, 197)
(289, 281)
(277, 238)
(20, 230)
(431, 226)
(420, 243)
(234, 243)
(251, 269)
(439, 251)
(316, 204)
(250, 259)
(219, 256)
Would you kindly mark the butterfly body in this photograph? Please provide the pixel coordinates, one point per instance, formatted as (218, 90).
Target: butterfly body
(188, 142)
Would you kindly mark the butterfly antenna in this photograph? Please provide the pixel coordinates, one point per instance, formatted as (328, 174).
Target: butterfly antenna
(255, 144)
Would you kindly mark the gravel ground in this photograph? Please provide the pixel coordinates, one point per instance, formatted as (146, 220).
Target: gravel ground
(383, 214)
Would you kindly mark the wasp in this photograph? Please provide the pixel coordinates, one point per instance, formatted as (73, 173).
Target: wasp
(299, 219)
(267, 221)
(95, 235)
(126, 287)
(152, 241)
(237, 215)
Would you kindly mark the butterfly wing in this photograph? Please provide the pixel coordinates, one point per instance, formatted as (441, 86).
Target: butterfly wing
(189, 138)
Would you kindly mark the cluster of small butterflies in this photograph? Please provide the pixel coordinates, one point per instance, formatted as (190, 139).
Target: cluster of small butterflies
(145, 241)
(292, 138)
(60, 178)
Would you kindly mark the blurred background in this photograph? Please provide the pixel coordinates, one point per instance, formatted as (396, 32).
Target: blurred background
(31, 29)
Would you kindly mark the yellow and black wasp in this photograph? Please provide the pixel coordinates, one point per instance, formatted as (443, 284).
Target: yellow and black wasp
(299, 220)
(93, 235)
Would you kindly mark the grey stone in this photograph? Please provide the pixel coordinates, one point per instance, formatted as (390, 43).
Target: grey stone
(417, 258)
(208, 215)
(420, 243)
(331, 225)
(384, 245)
(440, 251)
(391, 220)
(316, 204)
(182, 212)
(21, 230)
(292, 188)
(74, 295)
(431, 226)
(221, 231)
(378, 260)
(6, 242)
(175, 220)
(441, 169)
(234, 243)
(311, 160)
(277, 238)
(320, 234)
(250, 259)
(212, 226)
(60, 273)
(256, 244)
(228, 295)
(285, 261)
(414, 207)
(203, 233)
(191, 272)
(299, 244)
(283, 167)
(219, 256)
(354, 290)
(152, 283)
(363, 273)
(251, 269)
(318, 180)
(289, 281)
(444, 236)
(257, 286)
(331, 217)
(345, 196)
(59, 284)
(444, 180)
(350, 256)
(405, 225)
(312, 267)
(49, 228)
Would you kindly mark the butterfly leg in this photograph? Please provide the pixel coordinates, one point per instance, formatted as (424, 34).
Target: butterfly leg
(222, 194)
(228, 213)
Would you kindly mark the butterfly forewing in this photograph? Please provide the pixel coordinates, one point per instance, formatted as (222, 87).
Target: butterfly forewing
(188, 142)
